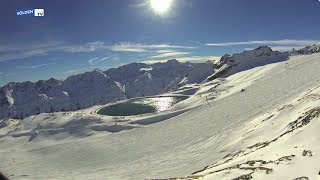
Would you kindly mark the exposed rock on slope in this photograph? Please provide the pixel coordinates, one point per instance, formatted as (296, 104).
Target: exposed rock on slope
(20, 100)
(238, 62)
(144, 80)
(228, 65)
(196, 75)
(308, 50)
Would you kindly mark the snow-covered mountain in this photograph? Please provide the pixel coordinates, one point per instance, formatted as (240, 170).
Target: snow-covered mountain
(261, 123)
(76, 92)
(80, 91)
(249, 59)
(232, 64)
(307, 50)
(228, 65)
(139, 79)
(198, 74)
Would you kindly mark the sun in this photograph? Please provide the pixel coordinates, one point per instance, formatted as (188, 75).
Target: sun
(160, 6)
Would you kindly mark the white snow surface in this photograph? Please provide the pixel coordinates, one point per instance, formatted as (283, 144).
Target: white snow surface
(261, 122)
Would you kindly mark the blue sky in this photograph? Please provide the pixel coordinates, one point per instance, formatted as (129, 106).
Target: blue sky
(76, 36)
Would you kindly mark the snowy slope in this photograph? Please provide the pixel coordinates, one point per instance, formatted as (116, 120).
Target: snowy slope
(267, 115)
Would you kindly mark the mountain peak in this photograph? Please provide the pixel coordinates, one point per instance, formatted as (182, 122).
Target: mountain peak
(308, 49)
(173, 61)
(88, 89)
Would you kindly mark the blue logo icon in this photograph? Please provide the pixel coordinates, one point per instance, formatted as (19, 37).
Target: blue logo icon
(30, 12)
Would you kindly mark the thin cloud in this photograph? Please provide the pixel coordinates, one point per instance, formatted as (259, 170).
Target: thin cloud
(82, 70)
(10, 74)
(164, 51)
(97, 60)
(185, 59)
(34, 46)
(198, 58)
(89, 47)
(75, 71)
(196, 42)
(21, 55)
(102, 59)
(120, 48)
(8, 49)
(171, 54)
(285, 48)
(139, 48)
(91, 61)
(267, 42)
(35, 66)
(12, 52)
(139, 5)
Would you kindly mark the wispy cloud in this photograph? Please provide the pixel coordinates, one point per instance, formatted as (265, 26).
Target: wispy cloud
(171, 54)
(139, 5)
(96, 60)
(164, 51)
(127, 48)
(198, 58)
(139, 48)
(284, 42)
(89, 47)
(10, 74)
(12, 52)
(34, 46)
(82, 70)
(285, 48)
(8, 49)
(185, 59)
(103, 59)
(75, 71)
(21, 52)
(35, 66)
(91, 61)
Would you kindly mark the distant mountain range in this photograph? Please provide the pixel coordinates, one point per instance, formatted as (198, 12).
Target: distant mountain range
(20, 100)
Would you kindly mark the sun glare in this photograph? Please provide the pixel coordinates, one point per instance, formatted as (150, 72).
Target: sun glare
(160, 6)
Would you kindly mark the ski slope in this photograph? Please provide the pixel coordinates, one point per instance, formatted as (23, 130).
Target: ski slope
(211, 135)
